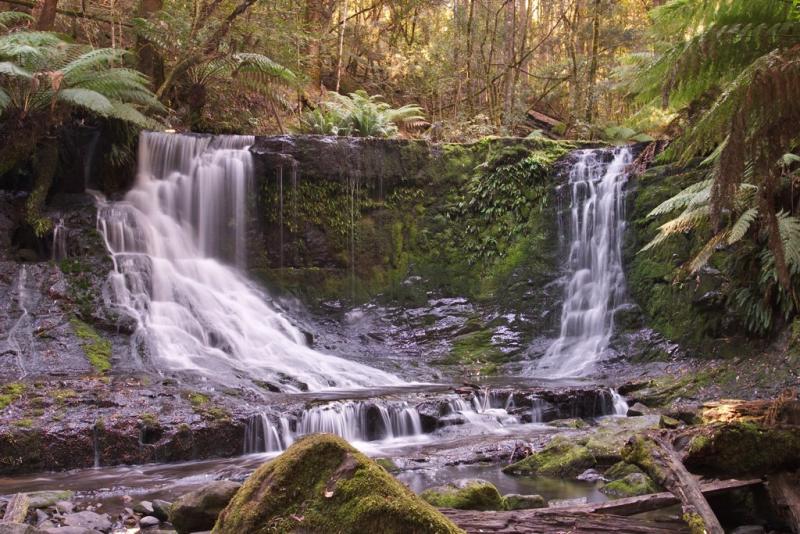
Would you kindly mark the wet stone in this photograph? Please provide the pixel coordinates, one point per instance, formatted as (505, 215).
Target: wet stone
(161, 509)
(88, 520)
(149, 521)
(143, 507)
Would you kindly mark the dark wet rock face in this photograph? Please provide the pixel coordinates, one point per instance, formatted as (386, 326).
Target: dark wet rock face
(198, 510)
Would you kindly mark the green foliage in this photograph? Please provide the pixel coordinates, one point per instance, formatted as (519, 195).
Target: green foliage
(358, 114)
(9, 393)
(96, 348)
(735, 81)
(44, 75)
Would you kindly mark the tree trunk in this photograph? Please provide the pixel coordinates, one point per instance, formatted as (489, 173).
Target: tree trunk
(150, 61)
(511, 59)
(47, 16)
(340, 54)
(591, 98)
(784, 489)
(313, 26)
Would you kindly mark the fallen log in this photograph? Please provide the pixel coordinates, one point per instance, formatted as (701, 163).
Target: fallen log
(656, 455)
(557, 520)
(784, 490)
(610, 515)
(16, 509)
(656, 501)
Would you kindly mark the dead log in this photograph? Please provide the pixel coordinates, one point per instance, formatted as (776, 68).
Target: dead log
(557, 520)
(784, 490)
(656, 455)
(592, 517)
(17, 509)
(656, 501)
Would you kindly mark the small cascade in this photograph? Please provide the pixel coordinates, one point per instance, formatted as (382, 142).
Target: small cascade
(59, 240)
(260, 435)
(17, 329)
(96, 444)
(597, 283)
(352, 420)
(172, 241)
(619, 403)
(538, 408)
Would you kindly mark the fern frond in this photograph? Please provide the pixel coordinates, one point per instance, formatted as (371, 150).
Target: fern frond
(789, 229)
(742, 225)
(85, 98)
(10, 69)
(11, 18)
(5, 100)
(691, 195)
(701, 259)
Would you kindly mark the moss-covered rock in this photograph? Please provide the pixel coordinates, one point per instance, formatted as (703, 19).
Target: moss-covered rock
(621, 470)
(321, 484)
(742, 448)
(514, 501)
(630, 485)
(470, 494)
(560, 458)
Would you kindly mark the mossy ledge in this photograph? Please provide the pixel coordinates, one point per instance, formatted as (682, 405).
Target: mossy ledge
(96, 348)
(322, 484)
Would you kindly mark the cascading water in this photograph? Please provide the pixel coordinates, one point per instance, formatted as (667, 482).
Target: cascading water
(597, 283)
(59, 240)
(185, 215)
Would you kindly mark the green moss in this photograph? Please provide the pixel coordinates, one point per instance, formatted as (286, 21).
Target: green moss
(149, 420)
(638, 451)
(744, 448)
(621, 470)
(10, 393)
(388, 464)
(523, 502)
(471, 495)
(322, 484)
(475, 348)
(561, 458)
(197, 399)
(61, 395)
(630, 485)
(695, 523)
(23, 423)
(96, 348)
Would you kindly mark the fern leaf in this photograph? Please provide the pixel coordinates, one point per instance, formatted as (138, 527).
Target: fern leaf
(85, 98)
(10, 69)
(742, 224)
(10, 18)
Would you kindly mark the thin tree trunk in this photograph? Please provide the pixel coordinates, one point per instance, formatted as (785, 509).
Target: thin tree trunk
(340, 54)
(470, 17)
(511, 41)
(591, 97)
(47, 16)
(150, 61)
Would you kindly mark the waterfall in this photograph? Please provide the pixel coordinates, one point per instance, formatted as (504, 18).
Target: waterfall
(13, 343)
(597, 282)
(59, 240)
(619, 403)
(173, 240)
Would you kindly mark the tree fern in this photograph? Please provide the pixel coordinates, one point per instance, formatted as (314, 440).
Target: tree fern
(11, 18)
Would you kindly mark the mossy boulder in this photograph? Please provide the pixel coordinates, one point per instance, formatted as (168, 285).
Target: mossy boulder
(561, 458)
(630, 485)
(468, 494)
(743, 448)
(514, 501)
(621, 470)
(321, 484)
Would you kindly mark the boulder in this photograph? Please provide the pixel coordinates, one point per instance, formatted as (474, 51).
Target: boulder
(322, 484)
(161, 509)
(467, 494)
(19, 528)
(199, 509)
(143, 508)
(43, 499)
(89, 521)
(149, 521)
(638, 409)
(621, 470)
(515, 501)
(630, 485)
(561, 458)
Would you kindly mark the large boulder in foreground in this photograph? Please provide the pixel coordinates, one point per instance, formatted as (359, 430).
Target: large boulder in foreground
(321, 484)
